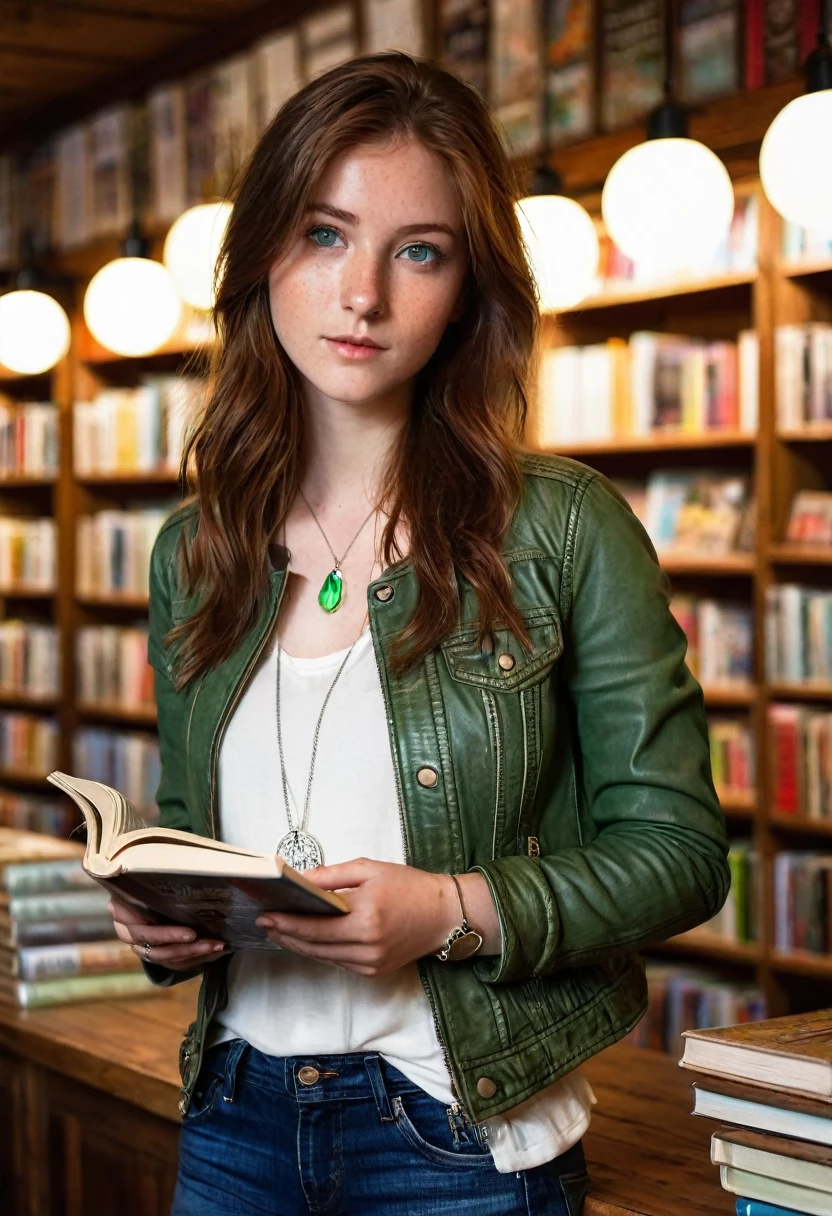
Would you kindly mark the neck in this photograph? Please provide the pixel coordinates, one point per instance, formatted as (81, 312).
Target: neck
(347, 449)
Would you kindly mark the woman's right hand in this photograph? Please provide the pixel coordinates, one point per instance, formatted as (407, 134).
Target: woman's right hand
(174, 946)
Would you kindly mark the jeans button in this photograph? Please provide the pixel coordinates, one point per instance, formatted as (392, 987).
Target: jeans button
(308, 1075)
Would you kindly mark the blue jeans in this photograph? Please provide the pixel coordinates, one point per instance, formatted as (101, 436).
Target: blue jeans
(339, 1135)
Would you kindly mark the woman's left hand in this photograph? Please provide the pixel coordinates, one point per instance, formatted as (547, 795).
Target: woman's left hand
(397, 914)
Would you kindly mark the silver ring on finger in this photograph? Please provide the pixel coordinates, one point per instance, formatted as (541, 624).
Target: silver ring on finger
(147, 950)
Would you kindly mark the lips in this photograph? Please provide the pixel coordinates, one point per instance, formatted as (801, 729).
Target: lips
(354, 340)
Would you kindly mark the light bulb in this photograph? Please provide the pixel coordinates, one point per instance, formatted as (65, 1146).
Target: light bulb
(34, 332)
(563, 248)
(795, 171)
(131, 306)
(667, 204)
(191, 250)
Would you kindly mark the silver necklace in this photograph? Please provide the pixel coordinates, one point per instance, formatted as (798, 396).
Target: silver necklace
(332, 592)
(297, 847)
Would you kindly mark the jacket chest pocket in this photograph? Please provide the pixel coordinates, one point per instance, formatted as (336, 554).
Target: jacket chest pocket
(509, 685)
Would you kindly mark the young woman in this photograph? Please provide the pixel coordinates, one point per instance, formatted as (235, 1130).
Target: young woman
(436, 671)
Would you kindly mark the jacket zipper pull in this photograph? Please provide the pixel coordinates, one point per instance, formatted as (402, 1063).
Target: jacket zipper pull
(533, 846)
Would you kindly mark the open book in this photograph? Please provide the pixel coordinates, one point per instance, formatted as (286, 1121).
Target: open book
(179, 878)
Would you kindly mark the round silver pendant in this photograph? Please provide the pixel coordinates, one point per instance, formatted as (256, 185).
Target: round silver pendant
(300, 850)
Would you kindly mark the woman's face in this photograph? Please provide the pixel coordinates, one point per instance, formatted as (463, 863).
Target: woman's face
(381, 254)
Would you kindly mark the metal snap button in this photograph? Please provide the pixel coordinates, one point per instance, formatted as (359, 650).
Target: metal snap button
(486, 1088)
(427, 776)
(183, 1106)
(384, 593)
(507, 661)
(308, 1075)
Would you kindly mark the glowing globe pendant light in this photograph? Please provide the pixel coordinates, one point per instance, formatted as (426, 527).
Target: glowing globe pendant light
(561, 241)
(191, 250)
(131, 305)
(668, 202)
(34, 332)
(795, 168)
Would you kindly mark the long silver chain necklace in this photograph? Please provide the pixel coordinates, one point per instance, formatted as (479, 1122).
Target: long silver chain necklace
(300, 849)
(332, 592)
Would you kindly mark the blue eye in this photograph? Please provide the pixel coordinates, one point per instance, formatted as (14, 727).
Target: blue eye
(423, 249)
(330, 235)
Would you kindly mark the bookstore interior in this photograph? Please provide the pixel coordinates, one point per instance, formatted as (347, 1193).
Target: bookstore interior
(679, 224)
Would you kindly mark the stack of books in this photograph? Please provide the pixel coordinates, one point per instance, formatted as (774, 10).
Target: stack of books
(57, 941)
(772, 1082)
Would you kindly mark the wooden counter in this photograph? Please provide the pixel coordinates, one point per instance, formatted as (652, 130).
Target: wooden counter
(89, 1124)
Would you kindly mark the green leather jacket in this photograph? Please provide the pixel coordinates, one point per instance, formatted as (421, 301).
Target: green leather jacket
(575, 777)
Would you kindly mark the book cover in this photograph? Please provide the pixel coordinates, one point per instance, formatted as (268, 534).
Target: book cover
(516, 72)
(708, 47)
(43, 993)
(31, 963)
(632, 60)
(570, 70)
(788, 1195)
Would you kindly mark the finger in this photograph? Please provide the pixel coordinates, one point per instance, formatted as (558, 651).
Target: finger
(126, 913)
(160, 935)
(342, 954)
(345, 874)
(311, 928)
(164, 956)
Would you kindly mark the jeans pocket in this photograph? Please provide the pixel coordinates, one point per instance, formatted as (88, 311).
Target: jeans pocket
(574, 1188)
(204, 1098)
(425, 1127)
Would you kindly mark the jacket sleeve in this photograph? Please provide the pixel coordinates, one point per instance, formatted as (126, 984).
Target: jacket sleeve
(657, 864)
(170, 710)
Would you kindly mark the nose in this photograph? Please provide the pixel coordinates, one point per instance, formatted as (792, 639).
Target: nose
(363, 284)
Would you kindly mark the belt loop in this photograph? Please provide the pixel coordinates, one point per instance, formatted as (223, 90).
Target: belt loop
(385, 1110)
(231, 1062)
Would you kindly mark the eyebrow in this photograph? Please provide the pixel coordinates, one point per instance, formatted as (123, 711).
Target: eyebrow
(347, 217)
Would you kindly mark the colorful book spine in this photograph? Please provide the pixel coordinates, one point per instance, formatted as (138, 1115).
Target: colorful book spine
(36, 877)
(113, 551)
(112, 667)
(58, 905)
(756, 1207)
(36, 963)
(127, 760)
(82, 988)
(28, 744)
(689, 997)
(54, 932)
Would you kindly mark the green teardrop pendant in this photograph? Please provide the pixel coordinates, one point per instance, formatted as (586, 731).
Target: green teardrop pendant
(329, 596)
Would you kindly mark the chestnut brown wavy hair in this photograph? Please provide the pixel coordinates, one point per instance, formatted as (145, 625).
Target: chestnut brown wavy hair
(454, 475)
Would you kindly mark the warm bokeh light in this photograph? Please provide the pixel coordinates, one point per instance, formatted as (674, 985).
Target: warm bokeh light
(132, 306)
(795, 165)
(563, 248)
(191, 250)
(667, 204)
(34, 332)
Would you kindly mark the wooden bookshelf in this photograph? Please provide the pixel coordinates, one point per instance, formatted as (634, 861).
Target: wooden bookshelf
(800, 555)
(709, 946)
(102, 711)
(628, 297)
(800, 692)
(801, 825)
(738, 803)
(664, 441)
(729, 695)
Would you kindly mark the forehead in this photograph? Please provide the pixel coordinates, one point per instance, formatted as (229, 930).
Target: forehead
(399, 182)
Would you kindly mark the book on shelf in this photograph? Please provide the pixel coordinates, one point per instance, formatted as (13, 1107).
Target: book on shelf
(683, 996)
(328, 38)
(632, 60)
(180, 878)
(802, 883)
(28, 743)
(131, 430)
(515, 72)
(801, 761)
(810, 518)
(708, 46)
(129, 760)
(803, 374)
(772, 1110)
(55, 905)
(569, 56)
(737, 919)
(27, 554)
(696, 512)
(28, 439)
(779, 35)
(732, 751)
(113, 550)
(233, 119)
(798, 243)
(462, 33)
(35, 813)
(775, 1157)
(29, 659)
(789, 1054)
(276, 74)
(167, 152)
(66, 990)
(65, 960)
(798, 629)
(38, 877)
(654, 383)
(19, 934)
(112, 666)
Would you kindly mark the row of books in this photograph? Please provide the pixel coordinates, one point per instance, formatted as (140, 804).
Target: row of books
(547, 79)
(803, 374)
(112, 666)
(802, 882)
(29, 659)
(127, 760)
(113, 550)
(798, 243)
(732, 754)
(57, 940)
(135, 429)
(801, 761)
(28, 439)
(36, 813)
(720, 637)
(28, 743)
(738, 920)
(798, 634)
(810, 518)
(27, 554)
(654, 382)
(684, 997)
(695, 511)
(771, 1081)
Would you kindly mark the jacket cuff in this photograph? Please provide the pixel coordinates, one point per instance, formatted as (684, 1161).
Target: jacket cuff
(528, 916)
(166, 977)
